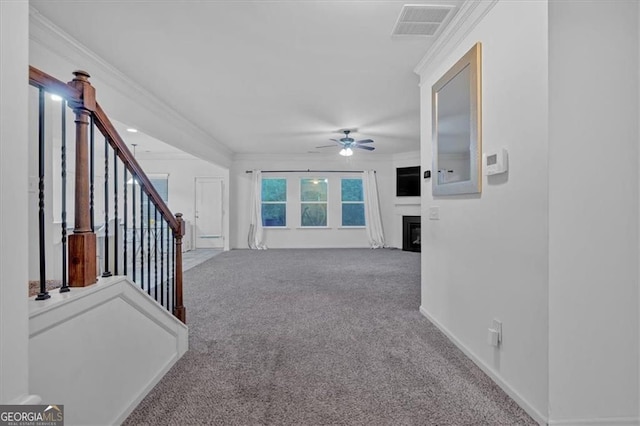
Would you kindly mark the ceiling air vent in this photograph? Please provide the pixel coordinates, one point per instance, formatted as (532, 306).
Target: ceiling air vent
(422, 20)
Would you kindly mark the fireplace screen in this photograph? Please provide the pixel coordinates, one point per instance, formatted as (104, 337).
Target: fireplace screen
(411, 233)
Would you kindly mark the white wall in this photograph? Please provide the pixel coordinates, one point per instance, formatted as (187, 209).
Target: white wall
(72, 359)
(486, 257)
(13, 200)
(307, 238)
(182, 174)
(593, 210)
(58, 54)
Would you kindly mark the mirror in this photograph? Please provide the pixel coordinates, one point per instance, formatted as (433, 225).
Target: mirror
(457, 122)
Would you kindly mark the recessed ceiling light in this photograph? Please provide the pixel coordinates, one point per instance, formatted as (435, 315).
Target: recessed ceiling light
(132, 130)
(56, 98)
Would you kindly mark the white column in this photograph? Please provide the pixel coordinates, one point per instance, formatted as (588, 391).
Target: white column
(14, 61)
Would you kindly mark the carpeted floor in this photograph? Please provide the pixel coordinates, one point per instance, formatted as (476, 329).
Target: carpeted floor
(318, 337)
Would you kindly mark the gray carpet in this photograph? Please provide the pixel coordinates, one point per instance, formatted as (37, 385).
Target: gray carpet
(318, 337)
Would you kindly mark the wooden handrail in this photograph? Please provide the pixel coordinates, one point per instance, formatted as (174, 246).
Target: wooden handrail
(81, 97)
(106, 127)
(73, 95)
(51, 84)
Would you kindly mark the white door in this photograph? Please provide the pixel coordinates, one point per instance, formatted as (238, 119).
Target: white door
(208, 231)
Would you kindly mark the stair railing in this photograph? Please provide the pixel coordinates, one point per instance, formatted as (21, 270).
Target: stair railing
(146, 244)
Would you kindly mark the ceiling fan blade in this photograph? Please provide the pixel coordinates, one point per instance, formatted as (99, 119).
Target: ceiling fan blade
(326, 146)
(368, 148)
(365, 141)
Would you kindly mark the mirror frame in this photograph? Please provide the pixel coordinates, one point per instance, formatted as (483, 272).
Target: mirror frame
(473, 60)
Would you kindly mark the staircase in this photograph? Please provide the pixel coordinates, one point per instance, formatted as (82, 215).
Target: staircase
(107, 320)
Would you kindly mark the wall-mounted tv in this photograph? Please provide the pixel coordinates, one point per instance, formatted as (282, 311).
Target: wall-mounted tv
(408, 181)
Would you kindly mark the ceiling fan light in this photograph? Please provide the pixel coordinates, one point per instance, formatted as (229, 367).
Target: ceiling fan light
(346, 152)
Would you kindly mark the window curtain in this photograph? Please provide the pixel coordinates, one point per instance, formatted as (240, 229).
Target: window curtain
(372, 210)
(256, 238)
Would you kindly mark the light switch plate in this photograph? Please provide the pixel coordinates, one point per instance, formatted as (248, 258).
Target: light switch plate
(434, 213)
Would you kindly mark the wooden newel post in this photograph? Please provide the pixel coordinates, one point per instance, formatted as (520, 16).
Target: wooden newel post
(82, 243)
(179, 311)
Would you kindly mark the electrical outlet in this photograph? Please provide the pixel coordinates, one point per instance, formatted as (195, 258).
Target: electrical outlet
(493, 338)
(497, 326)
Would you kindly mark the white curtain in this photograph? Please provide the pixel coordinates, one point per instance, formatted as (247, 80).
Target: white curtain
(256, 238)
(372, 210)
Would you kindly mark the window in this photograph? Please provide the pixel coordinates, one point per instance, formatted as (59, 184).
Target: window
(274, 202)
(161, 184)
(313, 202)
(352, 202)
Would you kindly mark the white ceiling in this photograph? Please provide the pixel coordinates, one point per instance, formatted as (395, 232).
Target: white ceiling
(144, 146)
(264, 76)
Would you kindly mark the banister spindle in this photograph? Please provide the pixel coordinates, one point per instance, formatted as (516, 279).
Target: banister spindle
(179, 311)
(116, 225)
(63, 167)
(92, 174)
(155, 252)
(162, 283)
(173, 272)
(147, 223)
(142, 237)
(125, 237)
(134, 248)
(169, 274)
(106, 272)
(82, 243)
(44, 294)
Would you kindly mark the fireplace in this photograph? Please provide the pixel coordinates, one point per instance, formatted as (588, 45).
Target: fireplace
(411, 233)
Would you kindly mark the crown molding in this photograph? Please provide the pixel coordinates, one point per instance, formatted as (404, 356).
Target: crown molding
(470, 14)
(52, 37)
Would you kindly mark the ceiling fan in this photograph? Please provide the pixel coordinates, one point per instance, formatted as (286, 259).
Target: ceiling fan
(347, 143)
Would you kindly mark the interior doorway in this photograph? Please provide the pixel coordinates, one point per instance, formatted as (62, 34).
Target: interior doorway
(208, 225)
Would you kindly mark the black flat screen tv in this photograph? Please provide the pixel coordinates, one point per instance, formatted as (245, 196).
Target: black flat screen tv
(408, 181)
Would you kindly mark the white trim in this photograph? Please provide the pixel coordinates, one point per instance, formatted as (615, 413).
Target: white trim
(408, 203)
(470, 14)
(314, 227)
(83, 300)
(27, 400)
(606, 421)
(52, 37)
(513, 394)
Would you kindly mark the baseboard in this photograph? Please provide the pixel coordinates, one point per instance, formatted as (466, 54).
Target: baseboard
(145, 391)
(513, 394)
(608, 421)
(27, 400)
